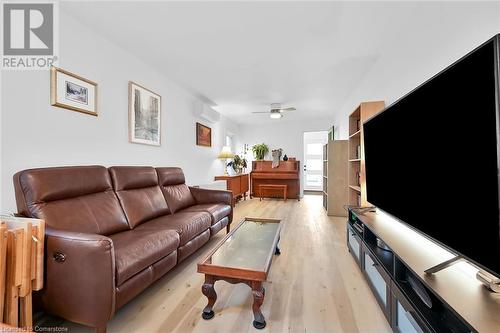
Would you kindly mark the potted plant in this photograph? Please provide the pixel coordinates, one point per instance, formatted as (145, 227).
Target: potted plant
(260, 151)
(237, 163)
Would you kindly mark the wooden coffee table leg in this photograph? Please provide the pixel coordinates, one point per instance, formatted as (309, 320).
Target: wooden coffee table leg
(258, 293)
(208, 290)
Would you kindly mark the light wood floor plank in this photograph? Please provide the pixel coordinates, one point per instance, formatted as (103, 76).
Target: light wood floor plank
(314, 285)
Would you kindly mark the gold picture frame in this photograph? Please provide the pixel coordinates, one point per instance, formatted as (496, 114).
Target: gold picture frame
(146, 130)
(73, 92)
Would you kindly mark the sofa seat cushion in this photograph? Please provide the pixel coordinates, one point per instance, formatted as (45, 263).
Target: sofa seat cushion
(138, 249)
(187, 224)
(217, 211)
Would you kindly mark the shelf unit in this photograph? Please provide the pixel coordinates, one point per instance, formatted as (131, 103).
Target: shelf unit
(459, 303)
(325, 177)
(355, 134)
(355, 188)
(335, 177)
(356, 168)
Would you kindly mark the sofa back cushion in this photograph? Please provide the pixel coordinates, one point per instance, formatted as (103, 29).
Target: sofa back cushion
(139, 194)
(77, 198)
(174, 188)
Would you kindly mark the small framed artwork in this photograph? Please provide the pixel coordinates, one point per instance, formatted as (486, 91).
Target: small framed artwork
(203, 135)
(72, 92)
(144, 115)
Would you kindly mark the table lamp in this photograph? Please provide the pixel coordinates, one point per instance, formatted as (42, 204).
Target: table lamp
(224, 155)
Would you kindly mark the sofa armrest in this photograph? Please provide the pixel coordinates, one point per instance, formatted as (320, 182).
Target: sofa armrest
(204, 196)
(80, 277)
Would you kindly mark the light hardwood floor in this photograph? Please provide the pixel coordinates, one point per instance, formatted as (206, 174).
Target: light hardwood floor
(314, 285)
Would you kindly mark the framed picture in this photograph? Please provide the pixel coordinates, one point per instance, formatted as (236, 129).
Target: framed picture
(144, 115)
(203, 135)
(72, 92)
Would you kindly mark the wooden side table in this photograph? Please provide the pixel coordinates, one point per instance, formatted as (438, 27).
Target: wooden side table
(238, 184)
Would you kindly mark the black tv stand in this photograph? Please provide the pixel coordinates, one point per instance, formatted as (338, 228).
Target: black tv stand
(410, 299)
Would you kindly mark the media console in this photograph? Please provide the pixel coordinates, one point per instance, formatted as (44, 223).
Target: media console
(412, 301)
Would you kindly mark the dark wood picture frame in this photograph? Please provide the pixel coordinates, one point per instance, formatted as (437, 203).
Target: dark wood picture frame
(203, 135)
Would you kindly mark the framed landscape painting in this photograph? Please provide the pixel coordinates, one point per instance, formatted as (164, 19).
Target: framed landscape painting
(203, 135)
(72, 92)
(144, 115)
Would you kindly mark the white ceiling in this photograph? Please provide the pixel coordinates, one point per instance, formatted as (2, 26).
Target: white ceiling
(242, 56)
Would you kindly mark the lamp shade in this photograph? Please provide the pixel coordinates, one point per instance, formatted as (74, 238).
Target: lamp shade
(225, 153)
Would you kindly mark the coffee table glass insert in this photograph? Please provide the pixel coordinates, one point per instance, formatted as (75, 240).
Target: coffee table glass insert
(249, 247)
(243, 256)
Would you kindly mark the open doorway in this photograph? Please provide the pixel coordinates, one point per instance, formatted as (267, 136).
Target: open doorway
(313, 160)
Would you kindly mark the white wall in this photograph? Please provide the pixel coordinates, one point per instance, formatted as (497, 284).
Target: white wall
(35, 134)
(281, 133)
(448, 31)
(1, 141)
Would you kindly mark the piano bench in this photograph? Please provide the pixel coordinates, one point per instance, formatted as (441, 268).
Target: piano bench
(284, 188)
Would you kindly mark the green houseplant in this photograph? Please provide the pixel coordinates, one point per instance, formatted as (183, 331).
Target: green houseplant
(237, 161)
(260, 151)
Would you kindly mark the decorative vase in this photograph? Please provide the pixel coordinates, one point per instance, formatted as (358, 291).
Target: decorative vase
(285, 158)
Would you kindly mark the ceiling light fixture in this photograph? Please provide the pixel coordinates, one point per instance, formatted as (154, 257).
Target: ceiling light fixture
(275, 115)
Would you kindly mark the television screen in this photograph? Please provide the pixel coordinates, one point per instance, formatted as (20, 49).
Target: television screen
(431, 159)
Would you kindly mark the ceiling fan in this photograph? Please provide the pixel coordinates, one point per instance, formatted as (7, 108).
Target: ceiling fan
(276, 111)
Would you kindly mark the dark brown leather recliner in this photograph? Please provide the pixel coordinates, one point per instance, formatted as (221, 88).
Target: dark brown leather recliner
(110, 233)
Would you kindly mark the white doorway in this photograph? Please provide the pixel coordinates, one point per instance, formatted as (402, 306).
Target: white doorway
(313, 159)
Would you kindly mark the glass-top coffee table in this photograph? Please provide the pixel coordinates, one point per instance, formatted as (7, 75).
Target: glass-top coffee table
(243, 256)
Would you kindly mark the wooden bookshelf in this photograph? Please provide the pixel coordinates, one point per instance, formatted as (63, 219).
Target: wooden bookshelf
(325, 177)
(355, 134)
(335, 177)
(355, 188)
(356, 164)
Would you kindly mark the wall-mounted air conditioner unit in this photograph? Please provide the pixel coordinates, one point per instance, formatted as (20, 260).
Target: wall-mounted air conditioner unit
(205, 112)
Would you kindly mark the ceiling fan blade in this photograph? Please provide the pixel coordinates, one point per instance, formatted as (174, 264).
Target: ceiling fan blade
(288, 109)
(260, 112)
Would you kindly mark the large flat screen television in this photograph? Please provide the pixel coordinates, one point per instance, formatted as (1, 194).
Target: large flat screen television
(432, 158)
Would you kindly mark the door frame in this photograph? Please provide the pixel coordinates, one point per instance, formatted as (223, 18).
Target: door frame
(304, 159)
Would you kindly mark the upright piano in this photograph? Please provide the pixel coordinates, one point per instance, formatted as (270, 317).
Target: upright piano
(287, 173)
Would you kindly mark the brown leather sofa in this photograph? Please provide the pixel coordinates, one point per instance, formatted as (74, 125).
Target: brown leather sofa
(112, 232)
